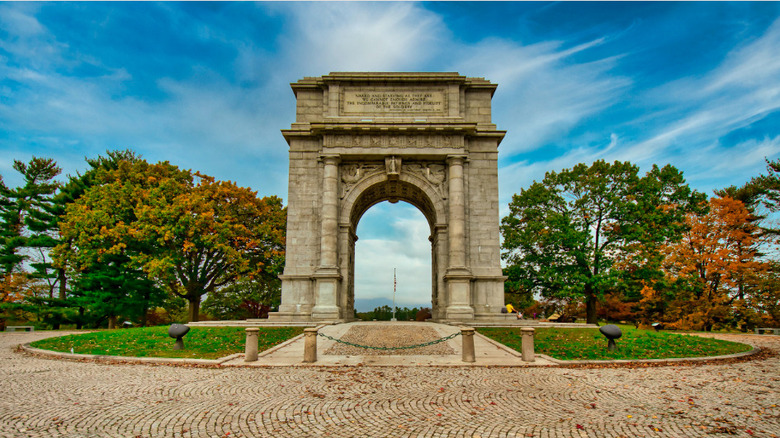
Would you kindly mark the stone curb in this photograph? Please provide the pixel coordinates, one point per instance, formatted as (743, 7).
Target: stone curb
(637, 361)
(144, 360)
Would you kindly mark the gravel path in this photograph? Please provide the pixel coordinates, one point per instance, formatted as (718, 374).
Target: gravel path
(400, 336)
(55, 398)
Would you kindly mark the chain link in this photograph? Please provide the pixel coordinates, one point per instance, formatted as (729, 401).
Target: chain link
(405, 347)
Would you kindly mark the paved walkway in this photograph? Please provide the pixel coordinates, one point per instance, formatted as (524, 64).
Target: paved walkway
(486, 351)
(52, 398)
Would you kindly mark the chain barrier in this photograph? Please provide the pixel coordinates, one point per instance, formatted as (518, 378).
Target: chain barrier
(405, 347)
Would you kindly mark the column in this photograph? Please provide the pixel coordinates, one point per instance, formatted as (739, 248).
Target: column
(327, 275)
(458, 277)
(329, 230)
(457, 213)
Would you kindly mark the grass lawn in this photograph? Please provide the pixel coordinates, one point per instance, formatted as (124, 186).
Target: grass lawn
(590, 344)
(199, 343)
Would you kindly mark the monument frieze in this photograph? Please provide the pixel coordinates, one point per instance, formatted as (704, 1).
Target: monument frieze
(393, 141)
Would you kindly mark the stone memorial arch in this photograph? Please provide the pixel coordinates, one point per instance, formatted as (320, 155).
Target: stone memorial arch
(363, 138)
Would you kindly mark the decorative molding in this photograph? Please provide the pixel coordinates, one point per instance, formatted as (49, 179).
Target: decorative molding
(433, 173)
(353, 173)
(393, 141)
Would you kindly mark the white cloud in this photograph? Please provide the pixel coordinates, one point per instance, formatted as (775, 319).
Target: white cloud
(358, 36)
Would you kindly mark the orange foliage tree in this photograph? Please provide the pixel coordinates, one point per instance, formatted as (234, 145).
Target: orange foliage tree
(706, 268)
(186, 231)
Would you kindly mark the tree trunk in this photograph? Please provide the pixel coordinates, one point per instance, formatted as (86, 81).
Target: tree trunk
(63, 284)
(194, 308)
(112, 322)
(590, 305)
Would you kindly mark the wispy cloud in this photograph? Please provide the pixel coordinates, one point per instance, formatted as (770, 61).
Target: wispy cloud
(687, 122)
(543, 92)
(697, 111)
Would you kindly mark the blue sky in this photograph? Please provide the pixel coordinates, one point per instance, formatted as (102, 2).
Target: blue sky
(205, 86)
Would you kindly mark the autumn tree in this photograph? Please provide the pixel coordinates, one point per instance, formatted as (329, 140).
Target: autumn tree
(706, 265)
(210, 236)
(564, 235)
(45, 223)
(187, 232)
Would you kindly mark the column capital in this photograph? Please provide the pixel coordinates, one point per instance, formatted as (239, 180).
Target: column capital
(330, 159)
(440, 228)
(456, 159)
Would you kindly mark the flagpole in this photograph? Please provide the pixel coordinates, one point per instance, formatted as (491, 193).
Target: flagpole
(394, 283)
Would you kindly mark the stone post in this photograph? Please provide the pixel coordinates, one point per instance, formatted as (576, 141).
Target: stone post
(310, 345)
(467, 333)
(250, 349)
(528, 343)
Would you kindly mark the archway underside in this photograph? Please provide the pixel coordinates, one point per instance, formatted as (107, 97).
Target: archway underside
(392, 191)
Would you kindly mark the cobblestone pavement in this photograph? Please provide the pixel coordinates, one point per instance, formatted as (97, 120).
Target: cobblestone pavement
(49, 398)
(402, 336)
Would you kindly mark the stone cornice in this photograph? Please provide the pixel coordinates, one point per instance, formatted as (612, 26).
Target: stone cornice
(320, 129)
(393, 78)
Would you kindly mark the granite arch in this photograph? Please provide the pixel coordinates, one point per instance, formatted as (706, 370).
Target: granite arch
(363, 138)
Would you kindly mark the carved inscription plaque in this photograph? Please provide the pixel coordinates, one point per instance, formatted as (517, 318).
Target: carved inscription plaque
(412, 101)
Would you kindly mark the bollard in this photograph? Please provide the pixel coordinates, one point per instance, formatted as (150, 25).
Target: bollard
(310, 345)
(528, 343)
(250, 349)
(468, 344)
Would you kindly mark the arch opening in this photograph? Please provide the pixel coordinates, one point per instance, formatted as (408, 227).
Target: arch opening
(419, 203)
(393, 236)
